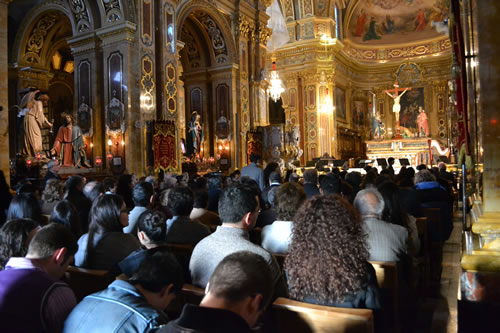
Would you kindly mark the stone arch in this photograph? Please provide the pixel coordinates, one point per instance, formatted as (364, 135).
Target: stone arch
(221, 22)
(79, 14)
(196, 40)
(116, 11)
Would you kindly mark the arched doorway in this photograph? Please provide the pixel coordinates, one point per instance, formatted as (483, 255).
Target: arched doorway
(44, 62)
(209, 77)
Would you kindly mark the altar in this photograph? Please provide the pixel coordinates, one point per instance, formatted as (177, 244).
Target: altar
(416, 150)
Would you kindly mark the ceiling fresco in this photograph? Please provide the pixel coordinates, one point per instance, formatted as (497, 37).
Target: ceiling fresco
(397, 21)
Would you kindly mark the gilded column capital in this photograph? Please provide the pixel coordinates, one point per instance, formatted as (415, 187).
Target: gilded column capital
(267, 3)
(246, 27)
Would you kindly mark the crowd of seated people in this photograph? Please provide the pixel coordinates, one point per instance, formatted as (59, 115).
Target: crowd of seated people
(326, 227)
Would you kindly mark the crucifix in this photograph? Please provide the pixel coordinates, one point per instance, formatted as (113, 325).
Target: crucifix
(396, 107)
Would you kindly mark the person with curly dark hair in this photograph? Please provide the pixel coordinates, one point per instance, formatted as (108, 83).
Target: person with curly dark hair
(15, 237)
(327, 258)
(276, 236)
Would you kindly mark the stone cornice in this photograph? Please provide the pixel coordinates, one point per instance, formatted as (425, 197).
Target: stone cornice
(117, 33)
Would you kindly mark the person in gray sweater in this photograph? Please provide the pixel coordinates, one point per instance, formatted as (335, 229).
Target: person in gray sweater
(238, 209)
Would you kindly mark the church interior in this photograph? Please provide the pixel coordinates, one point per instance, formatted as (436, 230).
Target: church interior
(170, 86)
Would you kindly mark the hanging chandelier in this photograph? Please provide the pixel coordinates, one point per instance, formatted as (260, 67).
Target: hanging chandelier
(276, 87)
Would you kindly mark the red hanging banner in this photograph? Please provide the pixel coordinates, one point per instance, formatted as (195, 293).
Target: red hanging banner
(164, 145)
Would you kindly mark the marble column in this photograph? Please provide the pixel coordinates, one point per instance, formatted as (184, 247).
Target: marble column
(489, 74)
(88, 88)
(4, 115)
(121, 76)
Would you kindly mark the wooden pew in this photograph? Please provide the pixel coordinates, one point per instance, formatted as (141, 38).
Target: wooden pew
(293, 316)
(182, 253)
(423, 258)
(87, 281)
(388, 282)
(435, 247)
(189, 295)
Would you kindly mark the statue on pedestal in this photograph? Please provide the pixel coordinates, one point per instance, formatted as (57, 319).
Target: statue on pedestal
(423, 123)
(376, 124)
(69, 145)
(195, 135)
(34, 121)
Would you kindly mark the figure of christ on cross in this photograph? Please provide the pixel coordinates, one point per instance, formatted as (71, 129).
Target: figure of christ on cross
(397, 97)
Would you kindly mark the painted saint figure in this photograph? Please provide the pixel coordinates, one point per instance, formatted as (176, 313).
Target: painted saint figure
(423, 123)
(388, 25)
(396, 107)
(69, 145)
(420, 22)
(194, 135)
(371, 33)
(34, 121)
(360, 24)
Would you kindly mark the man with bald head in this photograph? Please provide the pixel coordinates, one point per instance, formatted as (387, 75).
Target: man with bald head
(386, 241)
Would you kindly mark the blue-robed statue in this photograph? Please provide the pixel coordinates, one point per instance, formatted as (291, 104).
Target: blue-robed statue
(194, 135)
(376, 124)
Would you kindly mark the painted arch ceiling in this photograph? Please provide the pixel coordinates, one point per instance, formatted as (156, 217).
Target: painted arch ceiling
(382, 22)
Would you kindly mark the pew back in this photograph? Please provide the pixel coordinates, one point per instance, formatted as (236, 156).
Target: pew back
(294, 316)
(84, 282)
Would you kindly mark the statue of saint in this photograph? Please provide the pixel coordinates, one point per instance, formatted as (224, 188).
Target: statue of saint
(396, 107)
(34, 121)
(194, 135)
(376, 123)
(423, 123)
(69, 144)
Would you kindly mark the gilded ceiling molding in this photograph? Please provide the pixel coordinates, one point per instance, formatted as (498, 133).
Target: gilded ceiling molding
(384, 53)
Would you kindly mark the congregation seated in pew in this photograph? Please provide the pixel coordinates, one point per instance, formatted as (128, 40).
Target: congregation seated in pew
(105, 245)
(241, 203)
(135, 305)
(32, 299)
(238, 210)
(277, 236)
(386, 241)
(152, 232)
(237, 293)
(180, 228)
(327, 262)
